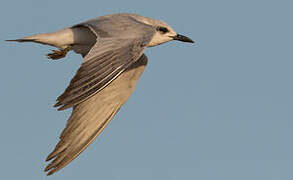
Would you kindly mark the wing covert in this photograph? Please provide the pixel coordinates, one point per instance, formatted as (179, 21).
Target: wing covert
(107, 59)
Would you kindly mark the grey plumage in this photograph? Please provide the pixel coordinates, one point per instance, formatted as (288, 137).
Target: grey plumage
(99, 68)
(112, 47)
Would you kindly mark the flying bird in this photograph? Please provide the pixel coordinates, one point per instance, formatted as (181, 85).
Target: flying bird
(112, 47)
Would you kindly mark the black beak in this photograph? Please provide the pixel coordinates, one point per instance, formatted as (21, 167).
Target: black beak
(182, 38)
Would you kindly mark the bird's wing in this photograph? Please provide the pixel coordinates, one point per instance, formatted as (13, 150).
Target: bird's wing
(106, 60)
(118, 45)
(91, 116)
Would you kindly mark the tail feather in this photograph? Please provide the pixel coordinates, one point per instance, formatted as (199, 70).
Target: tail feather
(61, 38)
(21, 40)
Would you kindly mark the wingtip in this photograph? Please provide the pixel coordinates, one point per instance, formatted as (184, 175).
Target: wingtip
(61, 106)
(57, 104)
(49, 157)
(50, 172)
(49, 169)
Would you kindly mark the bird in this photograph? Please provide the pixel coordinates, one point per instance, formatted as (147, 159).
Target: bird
(112, 47)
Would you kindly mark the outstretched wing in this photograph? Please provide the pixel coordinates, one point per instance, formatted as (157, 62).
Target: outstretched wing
(102, 84)
(107, 59)
(90, 117)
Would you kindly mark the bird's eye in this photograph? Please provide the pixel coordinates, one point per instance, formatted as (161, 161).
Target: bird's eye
(162, 30)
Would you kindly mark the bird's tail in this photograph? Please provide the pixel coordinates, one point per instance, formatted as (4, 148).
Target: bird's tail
(21, 40)
(43, 38)
(60, 39)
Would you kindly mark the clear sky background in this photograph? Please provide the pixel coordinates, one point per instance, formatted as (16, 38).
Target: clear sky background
(217, 109)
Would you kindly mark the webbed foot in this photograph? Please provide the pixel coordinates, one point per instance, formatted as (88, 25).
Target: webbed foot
(58, 54)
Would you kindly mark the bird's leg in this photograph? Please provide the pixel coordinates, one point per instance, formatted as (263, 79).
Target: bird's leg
(57, 54)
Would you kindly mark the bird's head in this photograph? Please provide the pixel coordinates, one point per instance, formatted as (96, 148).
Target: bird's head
(164, 33)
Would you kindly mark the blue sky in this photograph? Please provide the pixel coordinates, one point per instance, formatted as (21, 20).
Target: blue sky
(218, 109)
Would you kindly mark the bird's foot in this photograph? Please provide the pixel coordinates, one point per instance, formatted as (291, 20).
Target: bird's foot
(58, 54)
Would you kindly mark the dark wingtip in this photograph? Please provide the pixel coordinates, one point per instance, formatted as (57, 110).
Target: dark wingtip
(50, 170)
(47, 168)
(57, 104)
(49, 158)
(50, 173)
(62, 108)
